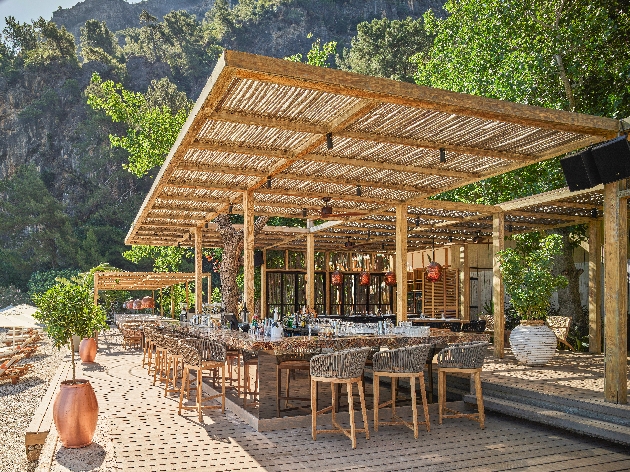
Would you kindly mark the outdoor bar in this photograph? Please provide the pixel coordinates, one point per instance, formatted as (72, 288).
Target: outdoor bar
(359, 159)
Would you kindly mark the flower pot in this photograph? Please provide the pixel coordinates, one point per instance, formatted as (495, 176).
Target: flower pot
(87, 350)
(75, 413)
(533, 343)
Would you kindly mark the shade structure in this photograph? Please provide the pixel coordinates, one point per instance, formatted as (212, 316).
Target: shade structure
(261, 126)
(140, 280)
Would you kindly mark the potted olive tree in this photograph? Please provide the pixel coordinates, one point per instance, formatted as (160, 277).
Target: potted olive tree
(68, 309)
(528, 280)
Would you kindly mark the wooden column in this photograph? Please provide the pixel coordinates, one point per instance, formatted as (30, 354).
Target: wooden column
(172, 301)
(310, 267)
(615, 295)
(210, 288)
(263, 286)
(161, 303)
(594, 288)
(95, 288)
(401, 262)
(187, 297)
(498, 292)
(248, 250)
(198, 271)
(327, 286)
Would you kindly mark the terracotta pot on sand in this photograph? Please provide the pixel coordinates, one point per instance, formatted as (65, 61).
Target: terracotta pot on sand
(87, 350)
(75, 413)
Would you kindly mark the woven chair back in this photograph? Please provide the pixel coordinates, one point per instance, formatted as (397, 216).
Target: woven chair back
(406, 359)
(463, 355)
(346, 364)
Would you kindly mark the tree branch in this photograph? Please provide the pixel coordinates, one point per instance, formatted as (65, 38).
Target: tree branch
(565, 81)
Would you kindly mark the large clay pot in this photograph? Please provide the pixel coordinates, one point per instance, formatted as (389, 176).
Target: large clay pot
(533, 343)
(87, 350)
(364, 278)
(390, 279)
(75, 413)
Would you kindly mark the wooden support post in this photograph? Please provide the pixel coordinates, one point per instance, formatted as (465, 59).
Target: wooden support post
(263, 286)
(95, 288)
(210, 288)
(327, 286)
(172, 301)
(401, 262)
(187, 297)
(465, 278)
(198, 271)
(594, 288)
(248, 250)
(615, 294)
(498, 292)
(310, 267)
(161, 303)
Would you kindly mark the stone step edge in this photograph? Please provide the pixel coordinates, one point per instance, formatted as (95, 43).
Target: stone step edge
(579, 424)
(613, 410)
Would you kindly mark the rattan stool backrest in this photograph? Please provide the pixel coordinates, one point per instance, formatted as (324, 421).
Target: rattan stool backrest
(346, 364)
(406, 359)
(463, 355)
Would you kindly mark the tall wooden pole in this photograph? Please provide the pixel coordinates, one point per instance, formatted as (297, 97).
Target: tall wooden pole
(615, 295)
(172, 301)
(327, 286)
(263, 286)
(198, 271)
(498, 292)
(401, 262)
(95, 288)
(248, 249)
(187, 296)
(210, 288)
(310, 267)
(161, 303)
(594, 288)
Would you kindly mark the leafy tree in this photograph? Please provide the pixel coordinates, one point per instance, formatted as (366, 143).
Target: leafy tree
(319, 55)
(564, 55)
(41, 281)
(98, 43)
(384, 48)
(151, 130)
(165, 258)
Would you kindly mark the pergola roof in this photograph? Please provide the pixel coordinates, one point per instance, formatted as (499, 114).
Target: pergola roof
(140, 280)
(260, 117)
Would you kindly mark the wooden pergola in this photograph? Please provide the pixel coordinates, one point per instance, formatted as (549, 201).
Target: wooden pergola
(272, 137)
(117, 280)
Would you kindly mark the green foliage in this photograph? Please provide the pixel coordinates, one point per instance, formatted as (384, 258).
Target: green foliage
(12, 295)
(384, 48)
(98, 43)
(41, 281)
(165, 258)
(319, 55)
(527, 276)
(152, 126)
(67, 309)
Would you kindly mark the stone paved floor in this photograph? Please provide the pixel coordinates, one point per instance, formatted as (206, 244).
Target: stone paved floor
(148, 435)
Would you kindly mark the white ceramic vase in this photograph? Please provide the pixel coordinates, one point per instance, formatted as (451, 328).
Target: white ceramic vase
(533, 343)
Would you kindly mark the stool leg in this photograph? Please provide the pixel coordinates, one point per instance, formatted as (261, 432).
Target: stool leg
(441, 394)
(394, 382)
(425, 407)
(199, 394)
(223, 389)
(375, 387)
(181, 391)
(430, 374)
(278, 389)
(335, 402)
(286, 401)
(168, 372)
(414, 408)
(363, 410)
(353, 432)
(479, 399)
(314, 409)
(246, 383)
(158, 359)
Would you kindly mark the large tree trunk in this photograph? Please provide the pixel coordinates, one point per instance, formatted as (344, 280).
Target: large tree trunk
(231, 260)
(569, 296)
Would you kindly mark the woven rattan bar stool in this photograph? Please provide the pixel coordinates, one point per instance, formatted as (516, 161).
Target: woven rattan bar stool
(174, 362)
(339, 367)
(463, 358)
(147, 354)
(406, 362)
(290, 361)
(161, 357)
(233, 356)
(250, 359)
(202, 355)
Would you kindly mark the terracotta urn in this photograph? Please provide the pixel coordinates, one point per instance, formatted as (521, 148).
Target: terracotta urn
(434, 272)
(87, 350)
(148, 302)
(364, 278)
(390, 279)
(75, 413)
(336, 278)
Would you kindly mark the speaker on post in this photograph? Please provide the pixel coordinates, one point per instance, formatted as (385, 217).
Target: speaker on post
(258, 258)
(612, 159)
(580, 171)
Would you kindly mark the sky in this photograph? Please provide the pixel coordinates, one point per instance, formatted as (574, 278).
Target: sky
(27, 10)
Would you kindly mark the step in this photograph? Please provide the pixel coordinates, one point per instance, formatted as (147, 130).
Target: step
(595, 409)
(588, 426)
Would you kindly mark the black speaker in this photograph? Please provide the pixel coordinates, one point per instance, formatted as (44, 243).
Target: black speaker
(258, 258)
(580, 171)
(612, 159)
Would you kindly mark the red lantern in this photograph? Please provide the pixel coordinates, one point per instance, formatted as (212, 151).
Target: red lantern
(364, 278)
(147, 302)
(137, 304)
(390, 279)
(129, 304)
(336, 278)
(434, 272)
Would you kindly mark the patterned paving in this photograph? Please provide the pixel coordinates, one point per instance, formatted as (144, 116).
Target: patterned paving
(149, 435)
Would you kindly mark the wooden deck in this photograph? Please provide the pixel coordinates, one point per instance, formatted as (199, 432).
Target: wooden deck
(147, 434)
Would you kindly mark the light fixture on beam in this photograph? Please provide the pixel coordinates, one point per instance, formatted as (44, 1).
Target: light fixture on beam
(417, 221)
(269, 182)
(594, 213)
(442, 155)
(304, 212)
(359, 191)
(230, 208)
(450, 239)
(329, 141)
